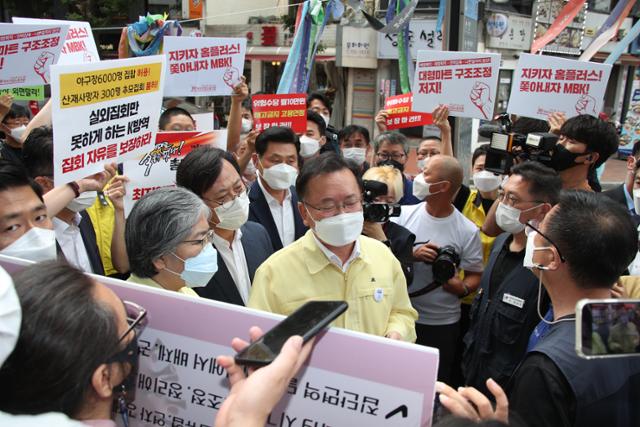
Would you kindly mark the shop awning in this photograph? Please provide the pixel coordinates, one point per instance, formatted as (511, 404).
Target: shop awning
(280, 53)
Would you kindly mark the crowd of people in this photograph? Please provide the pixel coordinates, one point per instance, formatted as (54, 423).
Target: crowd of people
(488, 273)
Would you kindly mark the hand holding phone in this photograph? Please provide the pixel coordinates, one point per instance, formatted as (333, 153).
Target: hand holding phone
(306, 321)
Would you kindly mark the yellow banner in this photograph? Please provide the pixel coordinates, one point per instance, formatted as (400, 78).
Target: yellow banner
(78, 89)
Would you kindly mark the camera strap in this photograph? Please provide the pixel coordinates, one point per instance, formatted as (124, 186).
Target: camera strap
(431, 287)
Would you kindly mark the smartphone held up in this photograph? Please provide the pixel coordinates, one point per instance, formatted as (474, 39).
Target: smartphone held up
(307, 321)
(608, 328)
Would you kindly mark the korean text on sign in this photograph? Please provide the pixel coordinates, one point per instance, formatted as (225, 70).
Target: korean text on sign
(79, 46)
(401, 115)
(27, 52)
(203, 66)
(288, 110)
(104, 112)
(544, 84)
(464, 81)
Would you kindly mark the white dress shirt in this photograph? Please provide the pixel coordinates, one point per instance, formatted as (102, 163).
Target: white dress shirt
(334, 259)
(282, 215)
(71, 243)
(233, 257)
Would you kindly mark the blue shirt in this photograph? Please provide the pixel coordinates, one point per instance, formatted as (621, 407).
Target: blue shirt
(408, 198)
(629, 198)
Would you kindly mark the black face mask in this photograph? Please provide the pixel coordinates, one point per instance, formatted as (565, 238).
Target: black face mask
(390, 162)
(563, 159)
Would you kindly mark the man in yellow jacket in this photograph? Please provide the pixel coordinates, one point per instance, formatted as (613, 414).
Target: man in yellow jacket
(332, 261)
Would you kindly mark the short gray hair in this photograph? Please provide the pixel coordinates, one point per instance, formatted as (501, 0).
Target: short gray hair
(393, 138)
(158, 223)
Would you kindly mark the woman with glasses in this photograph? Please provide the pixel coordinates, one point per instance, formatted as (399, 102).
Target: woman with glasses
(77, 346)
(169, 241)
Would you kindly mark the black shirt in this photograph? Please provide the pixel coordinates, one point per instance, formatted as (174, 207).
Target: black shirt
(506, 261)
(540, 394)
(14, 155)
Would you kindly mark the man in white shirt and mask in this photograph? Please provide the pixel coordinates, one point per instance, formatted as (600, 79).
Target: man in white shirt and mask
(214, 176)
(272, 197)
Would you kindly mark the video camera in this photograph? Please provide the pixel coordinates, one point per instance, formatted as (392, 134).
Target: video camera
(377, 212)
(505, 145)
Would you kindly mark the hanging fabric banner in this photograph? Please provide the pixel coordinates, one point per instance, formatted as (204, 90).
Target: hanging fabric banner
(441, 10)
(609, 29)
(399, 21)
(621, 47)
(567, 14)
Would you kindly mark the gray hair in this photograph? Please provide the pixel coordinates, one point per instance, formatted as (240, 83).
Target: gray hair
(158, 223)
(393, 138)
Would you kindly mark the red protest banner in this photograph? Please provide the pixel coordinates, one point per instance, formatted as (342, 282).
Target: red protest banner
(567, 14)
(288, 110)
(400, 114)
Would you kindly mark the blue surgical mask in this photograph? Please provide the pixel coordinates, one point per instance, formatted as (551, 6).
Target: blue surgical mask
(199, 270)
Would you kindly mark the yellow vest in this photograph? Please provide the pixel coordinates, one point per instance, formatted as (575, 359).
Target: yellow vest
(103, 219)
(474, 211)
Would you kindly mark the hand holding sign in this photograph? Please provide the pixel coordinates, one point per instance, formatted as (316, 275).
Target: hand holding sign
(440, 117)
(96, 182)
(240, 91)
(381, 120)
(116, 192)
(556, 120)
(481, 97)
(5, 104)
(252, 398)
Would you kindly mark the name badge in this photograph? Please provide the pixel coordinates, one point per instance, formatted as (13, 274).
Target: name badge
(378, 294)
(513, 300)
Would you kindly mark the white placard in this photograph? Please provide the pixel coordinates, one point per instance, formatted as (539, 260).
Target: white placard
(546, 84)
(79, 45)
(422, 36)
(203, 66)
(464, 81)
(27, 53)
(103, 112)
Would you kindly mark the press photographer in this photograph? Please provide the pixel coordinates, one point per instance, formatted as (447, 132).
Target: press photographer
(382, 190)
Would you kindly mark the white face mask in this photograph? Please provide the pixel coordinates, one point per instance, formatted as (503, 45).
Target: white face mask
(355, 154)
(37, 244)
(308, 146)
(527, 262)
(233, 214)
(636, 200)
(421, 163)
(280, 176)
(251, 169)
(486, 181)
(83, 201)
(326, 118)
(18, 132)
(339, 230)
(421, 188)
(10, 316)
(247, 125)
(508, 219)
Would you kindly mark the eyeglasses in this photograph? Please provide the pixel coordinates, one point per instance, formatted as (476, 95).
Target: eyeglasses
(510, 200)
(547, 239)
(136, 318)
(228, 200)
(350, 204)
(202, 242)
(392, 156)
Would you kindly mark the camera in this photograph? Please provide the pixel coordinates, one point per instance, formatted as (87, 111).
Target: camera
(505, 145)
(445, 264)
(377, 212)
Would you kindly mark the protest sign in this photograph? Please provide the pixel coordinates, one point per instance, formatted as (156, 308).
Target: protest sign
(548, 84)
(27, 93)
(27, 52)
(103, 112)
(350, 379)
(464, 81)
(79, 45)
(203, 66)
(400, 114)
(288, 110)
(156, 167)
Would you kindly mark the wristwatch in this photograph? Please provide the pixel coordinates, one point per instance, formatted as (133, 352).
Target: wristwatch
(467, 291)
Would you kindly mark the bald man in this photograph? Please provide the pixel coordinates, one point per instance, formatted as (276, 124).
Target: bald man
(437, 224)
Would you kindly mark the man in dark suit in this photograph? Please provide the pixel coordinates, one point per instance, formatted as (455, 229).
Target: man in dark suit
(623, 193)
(273, 197)
(214, 176)
(75, 235)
